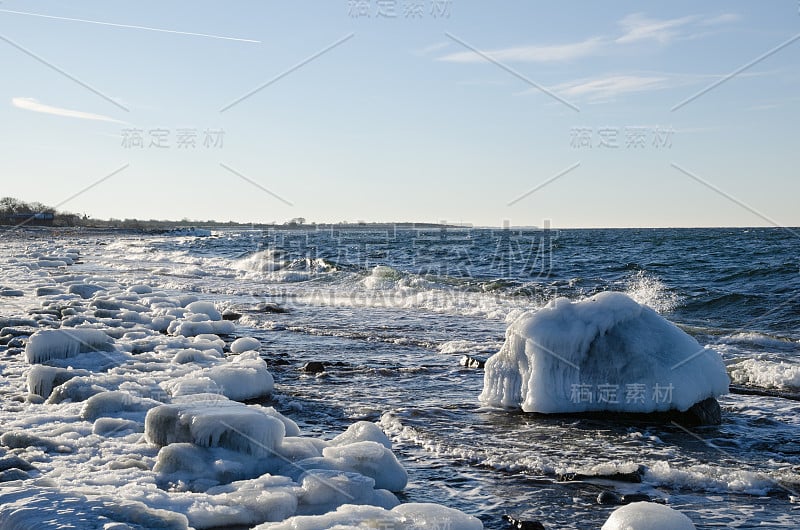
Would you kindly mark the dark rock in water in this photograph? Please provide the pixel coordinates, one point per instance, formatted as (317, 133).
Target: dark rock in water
(635, 497)
(767, 392)
(278, 362)
(13, 474)
(472, 362)
(231, 315)
(270, 308)
(633, 476)
(11, 292)
(11, 352)
(314, 367)
(523, 525)
(706, 412)
(609, 497)
(5, 338)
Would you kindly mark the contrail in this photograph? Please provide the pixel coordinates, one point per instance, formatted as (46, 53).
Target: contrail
(130, 26)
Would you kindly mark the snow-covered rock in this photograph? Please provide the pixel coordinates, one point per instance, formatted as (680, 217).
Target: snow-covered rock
(606, 353)
(210, 420)
(647, 516)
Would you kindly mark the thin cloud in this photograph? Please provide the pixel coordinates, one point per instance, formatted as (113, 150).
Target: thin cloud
(34, 106)
(611, 86)
(535, 54)
(725, 18)
(638, 27)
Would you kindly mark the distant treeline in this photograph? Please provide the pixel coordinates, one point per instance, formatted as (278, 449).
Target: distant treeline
(16, 212)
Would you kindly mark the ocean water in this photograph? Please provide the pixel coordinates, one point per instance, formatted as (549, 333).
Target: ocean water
(392, 310)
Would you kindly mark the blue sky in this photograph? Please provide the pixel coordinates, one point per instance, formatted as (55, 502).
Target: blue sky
(579, 113)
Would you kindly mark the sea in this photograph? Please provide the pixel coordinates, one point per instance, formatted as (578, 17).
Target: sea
(391, 311)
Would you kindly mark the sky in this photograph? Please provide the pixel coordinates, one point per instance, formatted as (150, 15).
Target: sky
(576, 114)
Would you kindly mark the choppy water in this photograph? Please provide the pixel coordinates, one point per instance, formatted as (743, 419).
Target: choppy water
(392, 311)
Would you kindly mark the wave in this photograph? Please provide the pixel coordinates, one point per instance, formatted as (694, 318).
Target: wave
(651, 292)
(766, 374)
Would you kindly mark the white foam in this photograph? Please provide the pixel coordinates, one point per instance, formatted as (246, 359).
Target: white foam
(768, 374)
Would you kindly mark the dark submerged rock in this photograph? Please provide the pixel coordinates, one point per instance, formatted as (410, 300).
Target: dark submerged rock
(231, 315)
(267, 307)
(706, 412)
(314, 367)
(609, 498)
(523, 525)
(635, 497)
(634, 477)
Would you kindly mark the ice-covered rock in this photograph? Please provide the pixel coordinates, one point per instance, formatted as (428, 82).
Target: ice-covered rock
(42, 379)
(325, 490)
(205, 308)
(213, 421)
(29, 508)
(606, 353)
(411, 516)
(367, 458)
(49, 344)
(115, 403)
(647, 516)
(242, 378)
(85, 290)
(244, 344)
(362, 431)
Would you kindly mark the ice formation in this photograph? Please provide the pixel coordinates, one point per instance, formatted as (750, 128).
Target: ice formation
(46, 345)
(607, 353)
(411, 516)
(211, 420)
(244, 344)
(647, 516)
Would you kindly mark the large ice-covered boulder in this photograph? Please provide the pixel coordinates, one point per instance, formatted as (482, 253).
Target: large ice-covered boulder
(606, 353)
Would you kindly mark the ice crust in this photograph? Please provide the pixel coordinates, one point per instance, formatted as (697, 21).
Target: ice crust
(136, 405)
